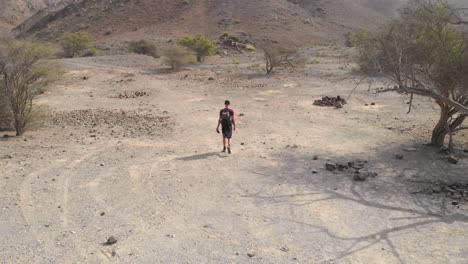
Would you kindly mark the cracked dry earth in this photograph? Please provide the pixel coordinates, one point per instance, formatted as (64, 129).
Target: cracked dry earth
(159, 185)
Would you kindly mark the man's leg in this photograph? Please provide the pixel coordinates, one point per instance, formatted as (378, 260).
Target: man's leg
(224, 144)
(229, 145)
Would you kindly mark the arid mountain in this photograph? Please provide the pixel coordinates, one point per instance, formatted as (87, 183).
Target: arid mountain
(13, 12)
(292, 20)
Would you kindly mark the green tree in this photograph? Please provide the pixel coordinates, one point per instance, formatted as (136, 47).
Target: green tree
(423, 53)
(26, 69)
(73, 43)
(199, 44)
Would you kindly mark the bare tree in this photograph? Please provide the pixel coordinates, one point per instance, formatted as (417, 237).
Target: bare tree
(278, 56)
(25, 70)
(423, 53)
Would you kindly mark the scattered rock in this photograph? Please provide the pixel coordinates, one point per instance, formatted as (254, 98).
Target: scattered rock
(359, 176)
(136, 94)
(315, 157)
(372, 104)
(284, 249)
(337, 102)
(7, 156)
(102, 165)
(399, 156)
(410, 149)
(111, 240)
(330, 166)
(455, 203)
(211, 79)
(251, 255)
(314, 172)
(452, 159)
(103, 214)
(241, 114)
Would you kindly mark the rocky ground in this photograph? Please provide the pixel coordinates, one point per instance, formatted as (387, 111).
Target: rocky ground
(127, 168)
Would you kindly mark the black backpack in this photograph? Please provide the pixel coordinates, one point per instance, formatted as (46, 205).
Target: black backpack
(225, 115)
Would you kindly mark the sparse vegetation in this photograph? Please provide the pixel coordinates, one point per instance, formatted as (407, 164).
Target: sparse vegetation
(73, 43)
(424, 54)
(25, 71)
(280, 57)
(144, 47)
(178, 56)
(201, 45)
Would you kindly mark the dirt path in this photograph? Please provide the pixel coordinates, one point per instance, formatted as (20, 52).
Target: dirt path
(176, 199)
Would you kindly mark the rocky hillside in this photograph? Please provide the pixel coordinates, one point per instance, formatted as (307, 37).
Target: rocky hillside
(13, 12)
(292, 20)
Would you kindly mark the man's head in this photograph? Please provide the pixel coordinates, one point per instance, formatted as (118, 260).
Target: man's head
(227, 103)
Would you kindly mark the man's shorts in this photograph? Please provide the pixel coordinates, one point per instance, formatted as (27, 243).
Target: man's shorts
(227, 129)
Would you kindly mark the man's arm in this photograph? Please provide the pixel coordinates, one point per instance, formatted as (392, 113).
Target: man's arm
(219, 123)
(233, 120)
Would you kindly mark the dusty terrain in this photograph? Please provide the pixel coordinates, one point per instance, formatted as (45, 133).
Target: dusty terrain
(148, 170)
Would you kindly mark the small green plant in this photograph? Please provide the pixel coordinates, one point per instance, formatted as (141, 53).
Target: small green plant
(201, 45)
(144, 47)
(74, 43)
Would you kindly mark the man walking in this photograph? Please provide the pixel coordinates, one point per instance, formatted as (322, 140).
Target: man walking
(227, 122)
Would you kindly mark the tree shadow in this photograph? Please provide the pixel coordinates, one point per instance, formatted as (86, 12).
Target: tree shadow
(390, 193)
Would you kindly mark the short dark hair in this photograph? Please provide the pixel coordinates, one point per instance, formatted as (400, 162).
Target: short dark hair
(227, 102)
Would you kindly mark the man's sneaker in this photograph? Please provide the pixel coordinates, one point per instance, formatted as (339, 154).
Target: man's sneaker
(229, 150)
(224, 149)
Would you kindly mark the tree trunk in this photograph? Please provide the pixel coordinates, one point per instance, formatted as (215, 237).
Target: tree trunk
(19, 127)
(440, 130)
(199, 58)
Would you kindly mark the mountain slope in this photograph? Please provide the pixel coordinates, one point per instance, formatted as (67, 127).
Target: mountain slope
(13, 12)
(283, 20)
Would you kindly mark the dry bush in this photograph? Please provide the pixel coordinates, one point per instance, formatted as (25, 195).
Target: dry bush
(26, 69)
(144, 47)
(276, 56)
(6, 120)
(177, 56)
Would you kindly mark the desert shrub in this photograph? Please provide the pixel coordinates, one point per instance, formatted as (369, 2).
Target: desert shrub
(144, 47)
(26, 69)
(6, 120)
(422, 53)
(91, 52)
(177, 56)
(276, 56)
(74, 43)
(201, 45)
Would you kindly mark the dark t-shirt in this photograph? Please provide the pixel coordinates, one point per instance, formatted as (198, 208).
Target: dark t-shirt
(223, 115)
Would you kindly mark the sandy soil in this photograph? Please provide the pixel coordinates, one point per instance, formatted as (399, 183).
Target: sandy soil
(159, 184)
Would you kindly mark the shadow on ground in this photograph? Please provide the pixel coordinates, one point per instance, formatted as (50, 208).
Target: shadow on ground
(201, 156)
(398, 194)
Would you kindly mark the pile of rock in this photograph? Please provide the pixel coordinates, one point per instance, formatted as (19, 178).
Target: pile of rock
(115, 123)
(358, 166)
(337, 102)
(136, 94)
(238, 41)
(453, 191)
